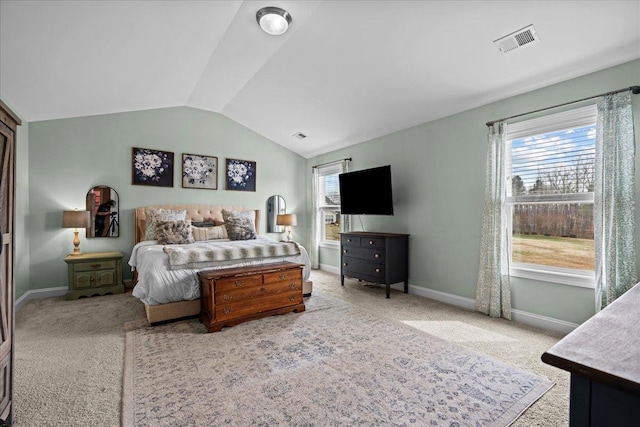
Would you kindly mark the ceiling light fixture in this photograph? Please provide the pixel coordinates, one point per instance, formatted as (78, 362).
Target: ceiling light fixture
(273, 20)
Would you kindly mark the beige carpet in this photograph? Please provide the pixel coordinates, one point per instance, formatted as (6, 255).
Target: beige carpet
(69, 354)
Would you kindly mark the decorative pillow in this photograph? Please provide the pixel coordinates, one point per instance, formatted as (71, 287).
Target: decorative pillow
(207, 222)
(174, 232)
(155, 215)
(209, 233)
(240, 224)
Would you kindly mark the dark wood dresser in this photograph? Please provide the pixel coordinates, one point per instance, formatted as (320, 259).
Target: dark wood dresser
(375, 257)
(603, 357)
(235, 295)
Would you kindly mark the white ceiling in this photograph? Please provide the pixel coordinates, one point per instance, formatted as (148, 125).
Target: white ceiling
(346, 72)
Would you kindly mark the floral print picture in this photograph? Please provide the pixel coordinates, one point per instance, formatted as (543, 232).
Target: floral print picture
(152, 167)
(241, 175)
(199, 171)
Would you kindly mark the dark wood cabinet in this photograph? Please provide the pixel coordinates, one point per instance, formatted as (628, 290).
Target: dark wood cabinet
(375, 257)
(603, 357)
(234, 295)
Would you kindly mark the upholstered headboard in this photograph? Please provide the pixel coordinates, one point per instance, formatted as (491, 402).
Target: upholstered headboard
(194, 213)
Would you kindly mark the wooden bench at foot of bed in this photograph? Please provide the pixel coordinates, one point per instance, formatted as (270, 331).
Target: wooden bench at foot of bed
(182, 309)
(234, 295)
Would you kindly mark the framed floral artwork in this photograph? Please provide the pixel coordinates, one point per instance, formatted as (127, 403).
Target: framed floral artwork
(199, 171)
(152, 167)
(241, 175)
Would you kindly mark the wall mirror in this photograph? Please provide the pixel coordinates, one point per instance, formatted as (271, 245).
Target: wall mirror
(103, 203)
(275, 205)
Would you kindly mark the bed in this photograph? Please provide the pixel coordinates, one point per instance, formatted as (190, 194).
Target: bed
(170, 291)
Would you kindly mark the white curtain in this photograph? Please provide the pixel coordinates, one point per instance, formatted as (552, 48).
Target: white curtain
(614, 193)
(493, 292)
(315, 231)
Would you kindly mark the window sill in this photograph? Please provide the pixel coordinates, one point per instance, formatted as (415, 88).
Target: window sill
(565, 276)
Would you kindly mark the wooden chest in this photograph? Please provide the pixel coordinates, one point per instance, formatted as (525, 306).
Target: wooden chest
(235, 295)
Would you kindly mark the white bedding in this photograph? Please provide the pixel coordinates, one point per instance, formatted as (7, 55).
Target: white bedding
(158, 284)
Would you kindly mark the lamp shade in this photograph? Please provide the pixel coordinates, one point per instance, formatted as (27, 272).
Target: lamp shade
(76, 219)
(286, 219)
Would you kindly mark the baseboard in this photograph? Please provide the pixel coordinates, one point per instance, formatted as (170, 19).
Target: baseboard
(531, 319)
(544, 322)
(329, 268)
(39, 293)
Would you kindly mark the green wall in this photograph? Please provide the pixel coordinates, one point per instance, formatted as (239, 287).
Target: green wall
(67, 157)
(438, 173)
(22, 257)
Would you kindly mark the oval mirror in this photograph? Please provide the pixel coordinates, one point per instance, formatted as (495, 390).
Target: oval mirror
(275, 205)
(102, 202)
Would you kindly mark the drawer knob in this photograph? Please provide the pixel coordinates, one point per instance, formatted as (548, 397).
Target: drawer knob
(227, 297)
(227, 310)
(348, 240)
(292, 297)
(345, 251)
(376, 256)
(344, 263)
(95, 266)
(377, 270)
(371, 242)
(283, 276)
(292, 285)
(262, 289)
(239, 282)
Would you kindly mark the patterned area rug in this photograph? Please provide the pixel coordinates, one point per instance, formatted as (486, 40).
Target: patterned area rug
(334, 364)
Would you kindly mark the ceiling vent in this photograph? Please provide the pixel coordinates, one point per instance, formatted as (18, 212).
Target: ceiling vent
(526, 36)
(299, 135)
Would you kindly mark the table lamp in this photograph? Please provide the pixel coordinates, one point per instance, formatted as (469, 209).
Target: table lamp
(76, 219)
(287, 220)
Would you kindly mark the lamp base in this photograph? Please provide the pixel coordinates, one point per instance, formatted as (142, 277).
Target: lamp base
(76, 243)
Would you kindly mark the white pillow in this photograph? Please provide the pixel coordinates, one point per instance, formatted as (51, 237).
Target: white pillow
(153, 215)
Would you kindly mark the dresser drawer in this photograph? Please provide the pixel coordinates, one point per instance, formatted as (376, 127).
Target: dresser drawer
(283, 276)
(243, 294)
(239, 282)
(258, 305)
(370, 254)
(372, 242)
(95, 265)
(349, 241)
(355, 266)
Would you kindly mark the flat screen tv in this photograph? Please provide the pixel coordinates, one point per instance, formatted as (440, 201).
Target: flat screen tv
(366, 192)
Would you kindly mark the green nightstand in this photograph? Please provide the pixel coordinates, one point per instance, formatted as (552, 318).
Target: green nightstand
(94, 273)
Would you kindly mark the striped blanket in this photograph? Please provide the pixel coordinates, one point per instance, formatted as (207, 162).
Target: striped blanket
(213, 253)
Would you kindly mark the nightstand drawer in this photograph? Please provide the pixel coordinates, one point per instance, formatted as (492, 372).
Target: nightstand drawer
(93, 266)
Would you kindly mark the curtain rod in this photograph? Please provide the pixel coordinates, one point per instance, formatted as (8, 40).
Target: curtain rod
(328, 163)
(634, 89)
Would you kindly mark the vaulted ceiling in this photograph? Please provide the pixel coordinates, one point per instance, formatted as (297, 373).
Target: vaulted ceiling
(345, 72)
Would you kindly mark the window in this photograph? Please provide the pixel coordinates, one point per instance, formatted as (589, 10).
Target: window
(329, 204)
(550, 165)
